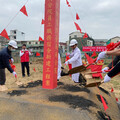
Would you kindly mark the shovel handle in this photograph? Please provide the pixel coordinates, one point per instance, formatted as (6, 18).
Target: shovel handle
(97, 72)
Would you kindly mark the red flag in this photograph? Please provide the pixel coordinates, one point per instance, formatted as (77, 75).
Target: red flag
(94, 54)
(68, 3)
(37, 54)
(15, 76)
(40, 39)
(23, 10)
(112, 90)
(43, 21)
(69, 65)
(34, 69)
(77, 16)
(13, 67)
(117, 99)
(104, 103)
(89, 59)
(4, 34)
(110, 45)
(77, 26)
(85, 36)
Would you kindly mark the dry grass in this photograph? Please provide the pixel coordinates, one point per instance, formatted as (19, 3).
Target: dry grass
(38, 65)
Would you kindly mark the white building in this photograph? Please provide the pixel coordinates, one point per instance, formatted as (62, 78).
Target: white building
(81, 41)
(115, 39)
(100, 42)
(17, 35)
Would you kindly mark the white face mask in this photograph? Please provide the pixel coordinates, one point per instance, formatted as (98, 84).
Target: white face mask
(12, 50)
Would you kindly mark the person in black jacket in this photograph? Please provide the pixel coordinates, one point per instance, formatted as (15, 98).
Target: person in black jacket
(5, 56)
(112, 64)
(116, 68)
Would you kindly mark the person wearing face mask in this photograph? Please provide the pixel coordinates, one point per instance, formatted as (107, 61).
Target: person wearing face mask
(24, 56)
(5, 57)
(75, 60)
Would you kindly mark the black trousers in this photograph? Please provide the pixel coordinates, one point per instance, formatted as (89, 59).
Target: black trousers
(2, 76)
(115, 70)
(23, 65)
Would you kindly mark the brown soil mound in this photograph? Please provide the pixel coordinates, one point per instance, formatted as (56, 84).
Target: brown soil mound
(66, 102)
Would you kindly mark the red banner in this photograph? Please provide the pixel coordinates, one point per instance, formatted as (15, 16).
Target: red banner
(94, 48)
(51, 40)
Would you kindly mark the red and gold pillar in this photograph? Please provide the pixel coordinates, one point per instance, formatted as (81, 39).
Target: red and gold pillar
(51, 41)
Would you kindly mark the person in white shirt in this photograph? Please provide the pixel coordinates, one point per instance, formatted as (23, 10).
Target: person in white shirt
(59, 67)
(75, 59)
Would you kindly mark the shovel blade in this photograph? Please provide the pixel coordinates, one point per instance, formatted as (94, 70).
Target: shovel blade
(93, 84)
(77, 69)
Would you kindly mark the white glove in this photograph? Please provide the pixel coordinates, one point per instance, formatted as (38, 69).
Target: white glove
(14, 73)
(12, 60)
(101, 56)
(66, 63)
(103, 70)
(107, 78)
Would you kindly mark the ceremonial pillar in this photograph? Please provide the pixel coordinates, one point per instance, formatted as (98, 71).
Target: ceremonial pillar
(51, 42)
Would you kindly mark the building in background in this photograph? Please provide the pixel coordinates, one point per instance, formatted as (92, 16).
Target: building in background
(114, 39)
(32, 45)
(17, 35)
(3, 42)
(100, 42)
(81, 42)
(62, 48)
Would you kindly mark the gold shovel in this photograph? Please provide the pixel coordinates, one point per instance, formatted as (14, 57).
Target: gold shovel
(94, 84)
(78, 69)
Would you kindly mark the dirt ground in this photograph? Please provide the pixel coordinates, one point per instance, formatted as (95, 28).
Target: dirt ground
(66, 102)
(114, 83)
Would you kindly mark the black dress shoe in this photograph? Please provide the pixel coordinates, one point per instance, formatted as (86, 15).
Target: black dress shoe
(28, 75)
(23, 75)
(76, 82)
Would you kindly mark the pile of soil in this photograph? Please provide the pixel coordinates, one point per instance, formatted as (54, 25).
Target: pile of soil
(66, 102)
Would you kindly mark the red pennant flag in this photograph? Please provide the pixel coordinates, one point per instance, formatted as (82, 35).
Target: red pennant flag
(104, 103)
(23, 10)
(85, 36)
(77, 16)
(68, 3)
(40, 39)
(77, 26)
(13, 67)
(34, 69)
(117, 99)
(69, 65)
(15, 76)
(89, 59)
(4, 34)
(37, 54)
(43, 21)
(94, 54)
(112, 90)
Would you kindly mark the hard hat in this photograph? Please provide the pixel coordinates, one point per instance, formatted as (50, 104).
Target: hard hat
(13, 43)
(73, 42)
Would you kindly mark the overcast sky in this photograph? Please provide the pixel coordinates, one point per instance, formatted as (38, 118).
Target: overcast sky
(99, 18)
